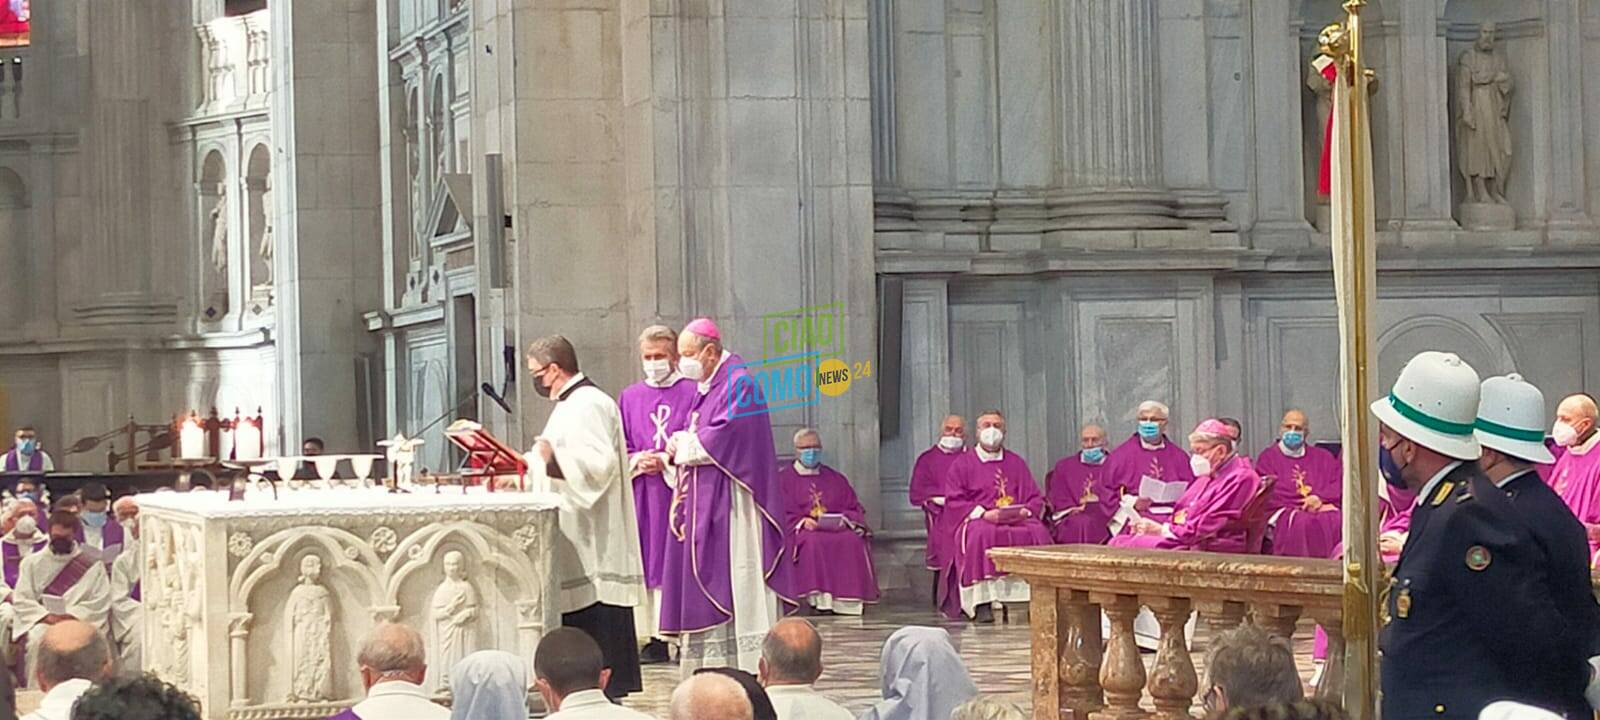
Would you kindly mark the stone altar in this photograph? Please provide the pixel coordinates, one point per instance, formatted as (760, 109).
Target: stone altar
(234, 590)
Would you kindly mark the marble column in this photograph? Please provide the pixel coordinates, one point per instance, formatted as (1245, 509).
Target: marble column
(1569, 220)
(1422, 76)
(1276, 94)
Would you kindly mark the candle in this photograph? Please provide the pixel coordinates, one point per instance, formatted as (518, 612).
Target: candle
(246, 440)
(191, 439)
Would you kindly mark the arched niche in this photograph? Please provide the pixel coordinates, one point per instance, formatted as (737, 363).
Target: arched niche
(260, 248)
(213, 232)
(16, 280)
(1522, 42)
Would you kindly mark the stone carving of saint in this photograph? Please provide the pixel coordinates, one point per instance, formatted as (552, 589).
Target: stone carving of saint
(219, 234)
(311, 627)
(1483, 137)
(451, 615)
(266, 248)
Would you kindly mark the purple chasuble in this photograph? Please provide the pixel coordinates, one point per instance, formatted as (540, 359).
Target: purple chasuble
(991, 485)
(13, 462)
(1202, 518)
(11, 558)
(835, 562)
(1130, 463)
(650, 415)
(1079, 490)
(111, 536)
(69, 575)
(928, 482)
(731, 423)
(1577, 481)
(1296, 532)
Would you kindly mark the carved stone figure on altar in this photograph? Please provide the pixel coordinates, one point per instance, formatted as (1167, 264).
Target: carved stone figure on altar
(1483, 135)
(162, 565)
(311, 629)
(219, 234)
(265, 250)
(451, 617)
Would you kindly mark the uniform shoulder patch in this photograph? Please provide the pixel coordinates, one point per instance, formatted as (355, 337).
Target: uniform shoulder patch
(1478, 558)
(1445, 488)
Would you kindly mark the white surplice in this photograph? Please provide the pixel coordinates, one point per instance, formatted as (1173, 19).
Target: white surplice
(802, 702)
(596, 556)
(127, 614)
(89, 600)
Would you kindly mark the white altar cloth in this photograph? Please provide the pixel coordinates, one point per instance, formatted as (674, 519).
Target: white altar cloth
(237, 611)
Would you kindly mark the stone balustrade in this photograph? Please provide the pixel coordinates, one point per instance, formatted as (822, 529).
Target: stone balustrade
(12, 62)
(1078, 675)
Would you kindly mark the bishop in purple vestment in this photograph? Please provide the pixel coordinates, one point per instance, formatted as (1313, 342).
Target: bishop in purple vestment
(1076, 489)
(998, 505)
(722, 578)
(929, 493)
(830, 560)
(1303, 508)
(1146, 455)
(652, 410)
(1206, 517)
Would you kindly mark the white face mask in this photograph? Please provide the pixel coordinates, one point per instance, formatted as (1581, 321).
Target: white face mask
(1199, 465)
(657, 370)
(27, 525)
(990, 437)
(691, 368)
(1564, 434)
(950, 442)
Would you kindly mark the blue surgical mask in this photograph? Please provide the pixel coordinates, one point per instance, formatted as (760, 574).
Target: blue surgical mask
(1293, 439)
(810, 457)
(93, 519)
(1389, 468)
(26, 447)
(1093, 455)
(1149, 430)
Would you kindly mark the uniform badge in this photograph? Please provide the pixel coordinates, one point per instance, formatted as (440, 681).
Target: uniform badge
(1443, 492)
(1402, 604)
(1478, 558)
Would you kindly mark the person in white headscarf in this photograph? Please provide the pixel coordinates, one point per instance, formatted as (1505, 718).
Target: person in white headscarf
(489, 685)
(923, 677)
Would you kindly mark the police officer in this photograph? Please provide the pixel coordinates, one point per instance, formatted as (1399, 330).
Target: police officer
(1510, 430)
(1469, 612)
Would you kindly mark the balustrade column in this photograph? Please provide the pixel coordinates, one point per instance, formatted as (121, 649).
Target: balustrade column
(1220, 615)
(1331, 684)
(1276, 619)
(1047, 625)
(1172, 681)
(1080, 650)
(1122, 673)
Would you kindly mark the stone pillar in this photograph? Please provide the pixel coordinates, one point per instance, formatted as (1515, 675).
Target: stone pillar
(1569, 221)
(1422, 78)
(1279, 180)
(1109, 81)
(325, 191)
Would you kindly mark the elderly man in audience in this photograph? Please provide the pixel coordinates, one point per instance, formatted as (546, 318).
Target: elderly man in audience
(62, 584)
(23, 537)
(1246, 667)
(571, 676)
(136, 697)
(710, 696)
(1205, 516)
(73, 656)
(1303, 509)
(393, 663)
(1077, 488)
(1000, 505)
(791, 662)
(825, 533)
(1147, 473)
(928, 490)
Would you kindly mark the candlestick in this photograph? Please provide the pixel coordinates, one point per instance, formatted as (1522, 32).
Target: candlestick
(191, 439)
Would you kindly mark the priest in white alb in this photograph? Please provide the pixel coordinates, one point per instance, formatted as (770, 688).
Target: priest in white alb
(64, 583)
(582, 456)
(127, 606)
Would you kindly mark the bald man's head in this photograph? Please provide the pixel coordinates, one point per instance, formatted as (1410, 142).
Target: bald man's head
(71, 650)
(792, 654)
(1295, 420)
(1578, 412)
(710, 696)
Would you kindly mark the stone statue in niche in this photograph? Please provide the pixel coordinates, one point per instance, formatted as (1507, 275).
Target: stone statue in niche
(451, 615)
(219, 234)
(1323, 90)
(1483, 133)
(310, 615)
(266, 248)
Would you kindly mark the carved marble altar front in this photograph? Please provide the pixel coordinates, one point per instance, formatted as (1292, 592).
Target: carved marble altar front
(258, 607)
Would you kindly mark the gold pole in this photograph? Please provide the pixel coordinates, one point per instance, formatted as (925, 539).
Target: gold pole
(1361, 560)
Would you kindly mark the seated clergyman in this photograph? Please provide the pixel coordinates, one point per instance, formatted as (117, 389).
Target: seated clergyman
(65, 583)
(825, 531)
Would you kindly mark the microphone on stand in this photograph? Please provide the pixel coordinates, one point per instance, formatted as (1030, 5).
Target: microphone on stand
(496, 397)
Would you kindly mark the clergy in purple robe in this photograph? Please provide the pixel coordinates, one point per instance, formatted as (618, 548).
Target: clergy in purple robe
(999, 505)
(25, 454)
(1576, 477)
(1075, 490)
(1206, 517)
(64, 577)
(1303, 509)
(652, 410)
(723, 582)
(826, 548)
(929, 493)
(98, 529)
(1143, 463)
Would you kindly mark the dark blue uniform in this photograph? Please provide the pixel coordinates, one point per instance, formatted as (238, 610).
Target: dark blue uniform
(1565, 547)
(1470, 614)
